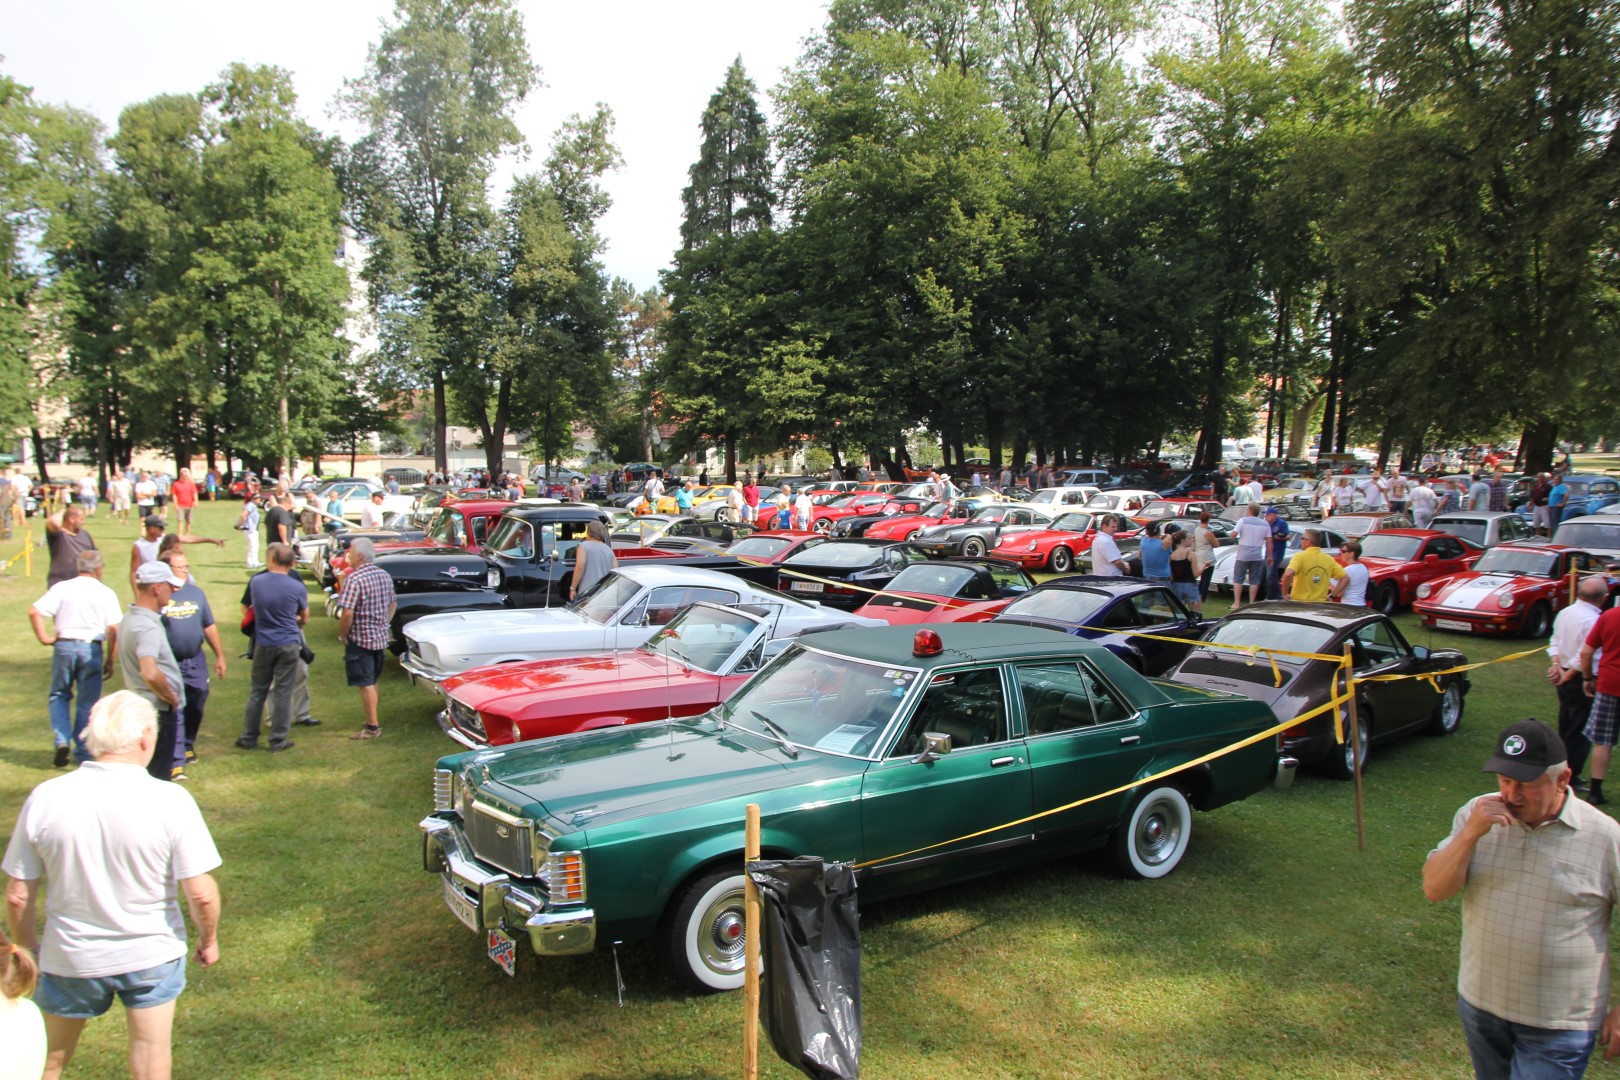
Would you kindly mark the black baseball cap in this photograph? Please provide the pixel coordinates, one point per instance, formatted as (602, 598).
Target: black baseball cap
(1525, 749)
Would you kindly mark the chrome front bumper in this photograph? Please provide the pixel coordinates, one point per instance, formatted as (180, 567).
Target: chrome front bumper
(496, 902)
(413, 667)
(1286, 768)
(448, 726)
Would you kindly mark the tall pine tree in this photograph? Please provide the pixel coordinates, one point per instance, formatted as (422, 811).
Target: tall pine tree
(731, 191)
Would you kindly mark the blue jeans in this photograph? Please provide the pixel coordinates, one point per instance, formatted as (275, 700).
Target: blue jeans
(1503, 1050)
(75, 665)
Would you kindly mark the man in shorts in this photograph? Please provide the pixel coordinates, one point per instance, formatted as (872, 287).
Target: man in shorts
(1603, 687)
(184, 490)
(367, 605)
(117, 849)
(1250, 566)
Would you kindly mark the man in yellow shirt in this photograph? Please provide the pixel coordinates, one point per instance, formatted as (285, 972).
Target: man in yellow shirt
(1313, 575)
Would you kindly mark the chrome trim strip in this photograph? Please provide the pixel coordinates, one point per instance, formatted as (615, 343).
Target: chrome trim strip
(450, 729)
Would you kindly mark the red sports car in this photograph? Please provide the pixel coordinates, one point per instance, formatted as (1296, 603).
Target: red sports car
(1513, 588)
(905, 526)
(846, 504)
(1399, 560)
(697, 661)
(949, 590)
(1055, 548)
(773, 545)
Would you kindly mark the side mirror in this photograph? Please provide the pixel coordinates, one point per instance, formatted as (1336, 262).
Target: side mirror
(1420, 651)
(935, 746)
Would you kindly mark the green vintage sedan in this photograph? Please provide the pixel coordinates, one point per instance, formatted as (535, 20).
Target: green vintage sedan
(857, 745)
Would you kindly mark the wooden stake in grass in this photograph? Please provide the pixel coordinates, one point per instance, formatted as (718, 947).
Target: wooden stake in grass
(750, 948)
(1574, 578)
(1355, 744)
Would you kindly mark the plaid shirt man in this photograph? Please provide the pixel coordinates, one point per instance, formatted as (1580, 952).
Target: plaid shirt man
(368, 591)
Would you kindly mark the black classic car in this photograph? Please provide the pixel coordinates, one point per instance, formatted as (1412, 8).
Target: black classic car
(844, 573)
(1386, 710)
(526, 562)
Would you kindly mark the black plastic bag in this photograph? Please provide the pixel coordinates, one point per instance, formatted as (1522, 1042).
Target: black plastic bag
(810, 999)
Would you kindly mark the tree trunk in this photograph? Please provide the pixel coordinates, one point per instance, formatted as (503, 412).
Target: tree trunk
(1537, 444)
(731, 457)
(1298, 433)
(39, 453)
(441, 424)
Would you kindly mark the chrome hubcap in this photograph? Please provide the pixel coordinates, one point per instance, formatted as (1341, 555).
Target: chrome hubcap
(1157, 836)
(722, 940)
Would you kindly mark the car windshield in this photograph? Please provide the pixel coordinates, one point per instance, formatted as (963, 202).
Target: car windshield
(1271, 634)
(1507, 560)
(1589, 534)
(610, 595)
(1353, 525)
(447, 529)
(990, 513)
(1467, 528)
(831, 703)
(759, 547)
(836, 554)
(512, 538)
(1071, 523)
(933, 579)
(1387, 546)
(1103, 502)
(1076, 606)
(703, 637)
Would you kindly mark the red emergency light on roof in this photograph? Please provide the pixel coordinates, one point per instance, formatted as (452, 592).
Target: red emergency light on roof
(926, 643)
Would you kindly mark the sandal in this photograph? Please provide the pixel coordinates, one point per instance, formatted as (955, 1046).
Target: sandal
(370, 731)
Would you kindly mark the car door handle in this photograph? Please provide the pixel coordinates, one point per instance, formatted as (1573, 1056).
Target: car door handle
(996, 763)
(1128, 740)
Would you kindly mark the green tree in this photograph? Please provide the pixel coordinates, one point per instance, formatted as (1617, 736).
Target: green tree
(731, 189)
(438, 98)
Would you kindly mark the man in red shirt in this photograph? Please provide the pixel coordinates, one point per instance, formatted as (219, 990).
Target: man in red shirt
(184, 492)
(1604, 688)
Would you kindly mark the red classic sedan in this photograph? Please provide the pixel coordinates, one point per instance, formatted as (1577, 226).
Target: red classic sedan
(1400, 560)
(1055, 547)
(693, 664)
(1513, 588)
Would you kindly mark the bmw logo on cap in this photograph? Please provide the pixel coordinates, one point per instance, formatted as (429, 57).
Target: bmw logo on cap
(1513, 745)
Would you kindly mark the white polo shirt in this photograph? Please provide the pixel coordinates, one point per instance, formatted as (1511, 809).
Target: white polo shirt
(112, 844)
(82, 608)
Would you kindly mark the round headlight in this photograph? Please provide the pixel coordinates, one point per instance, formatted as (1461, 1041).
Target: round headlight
(1505, 601)
(1031, 546)
(493, 578)
(1423, 591)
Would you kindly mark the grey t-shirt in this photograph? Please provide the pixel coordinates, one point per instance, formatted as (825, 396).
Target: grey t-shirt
(142, 634)
(597, 558)
(65, 547)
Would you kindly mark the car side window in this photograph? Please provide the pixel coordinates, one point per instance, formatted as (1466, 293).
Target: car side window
(1056, 698)
(970, 706)
(1156, 606)
(1009, 582)
(1514, 528)
(1122, 616)
(1375, 645)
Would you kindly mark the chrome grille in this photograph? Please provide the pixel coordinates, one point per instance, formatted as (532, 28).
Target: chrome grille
(501, 840)
(467, 717)
(414, 646)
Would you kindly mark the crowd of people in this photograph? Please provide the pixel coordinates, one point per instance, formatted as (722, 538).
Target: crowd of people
(117, 838)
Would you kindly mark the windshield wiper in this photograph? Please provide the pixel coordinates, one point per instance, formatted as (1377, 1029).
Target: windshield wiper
(773, 729)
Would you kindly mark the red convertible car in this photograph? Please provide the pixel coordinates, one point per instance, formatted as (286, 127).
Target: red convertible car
(1400, 560)
(1055, 547)
(905, 526)
(949, 590)
(1513, 588)
(846, 504)
(773, 545)
(697, 661)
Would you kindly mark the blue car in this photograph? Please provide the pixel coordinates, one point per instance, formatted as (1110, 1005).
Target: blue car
(1588, 493)
(1112, 611)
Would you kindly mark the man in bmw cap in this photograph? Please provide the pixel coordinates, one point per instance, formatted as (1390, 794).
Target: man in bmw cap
(1538, 871)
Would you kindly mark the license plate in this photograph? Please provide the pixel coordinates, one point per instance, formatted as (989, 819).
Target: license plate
(806, 586)
(1453, 624)
(503, 950)
(460, 906)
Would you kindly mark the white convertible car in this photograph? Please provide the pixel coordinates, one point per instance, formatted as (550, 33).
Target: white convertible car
(621, 611)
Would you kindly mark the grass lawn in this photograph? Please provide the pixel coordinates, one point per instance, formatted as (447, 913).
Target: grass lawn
(1276, 949)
